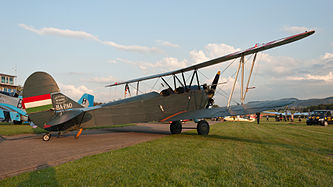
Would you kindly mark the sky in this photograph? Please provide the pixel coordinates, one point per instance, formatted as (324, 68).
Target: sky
(86, 45)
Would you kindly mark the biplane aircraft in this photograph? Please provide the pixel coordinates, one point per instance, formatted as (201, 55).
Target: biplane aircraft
(53, 111)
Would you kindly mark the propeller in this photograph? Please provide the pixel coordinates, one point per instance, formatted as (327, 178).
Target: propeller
(211, 89)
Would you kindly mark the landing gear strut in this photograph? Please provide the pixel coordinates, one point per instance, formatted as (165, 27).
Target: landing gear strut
(203, 127)
(78, 133)
(176, 127)
(46, 137)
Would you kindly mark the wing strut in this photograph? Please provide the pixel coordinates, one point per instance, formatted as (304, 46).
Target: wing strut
(192, 78)
(166, 83)
(233, 87)
(246, 89)
(137, 88)
(179, 80)
(184, 80)
(248, 81)
(196, 74)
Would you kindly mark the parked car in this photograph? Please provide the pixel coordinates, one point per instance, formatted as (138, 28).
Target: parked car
(320, 117)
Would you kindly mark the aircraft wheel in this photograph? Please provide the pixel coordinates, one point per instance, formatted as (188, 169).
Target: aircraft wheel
(46, 137)
(203, 127)
(176, 127)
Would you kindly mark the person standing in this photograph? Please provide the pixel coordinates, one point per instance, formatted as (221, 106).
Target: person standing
(292, 117)
(258, 117)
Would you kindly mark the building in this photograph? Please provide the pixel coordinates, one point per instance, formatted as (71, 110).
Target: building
(7, 83)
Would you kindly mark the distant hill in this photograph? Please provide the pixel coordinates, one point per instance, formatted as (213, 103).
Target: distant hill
(312, 102)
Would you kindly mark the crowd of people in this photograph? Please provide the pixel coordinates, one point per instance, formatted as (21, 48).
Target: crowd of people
(290, 118)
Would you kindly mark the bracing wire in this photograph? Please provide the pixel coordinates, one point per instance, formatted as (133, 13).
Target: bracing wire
(256, 67)
(154, 84)
(135, 88)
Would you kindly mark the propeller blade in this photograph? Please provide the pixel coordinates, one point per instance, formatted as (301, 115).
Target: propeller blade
(215, 81)
(212, 89)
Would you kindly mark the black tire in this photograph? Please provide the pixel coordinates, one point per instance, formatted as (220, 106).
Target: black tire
(46, 137)
(176, 127)
(203, 127)
(17, 122)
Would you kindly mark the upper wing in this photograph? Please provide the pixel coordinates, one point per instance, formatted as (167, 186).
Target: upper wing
(249, 108)
(255, 49)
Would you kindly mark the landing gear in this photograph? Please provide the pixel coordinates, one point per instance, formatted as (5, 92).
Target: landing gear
(203, 127)
(176, 127)
(59, 134)
(78, 133)
(46, 137)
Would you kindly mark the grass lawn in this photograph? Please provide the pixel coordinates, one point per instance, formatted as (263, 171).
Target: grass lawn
(8, 129)
(235, 153)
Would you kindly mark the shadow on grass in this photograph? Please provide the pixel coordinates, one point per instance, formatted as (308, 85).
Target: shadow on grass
(213, 136)
(38, 130)
(35, 178)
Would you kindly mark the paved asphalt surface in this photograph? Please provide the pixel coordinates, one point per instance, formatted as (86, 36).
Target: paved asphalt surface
(28, 152)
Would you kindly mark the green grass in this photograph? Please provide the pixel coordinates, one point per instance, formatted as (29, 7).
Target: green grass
(7, 129)
(234, 154)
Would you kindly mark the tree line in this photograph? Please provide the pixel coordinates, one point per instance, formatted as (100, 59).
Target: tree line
(318, 107)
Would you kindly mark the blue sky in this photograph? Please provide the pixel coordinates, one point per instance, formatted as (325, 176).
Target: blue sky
(85, 45)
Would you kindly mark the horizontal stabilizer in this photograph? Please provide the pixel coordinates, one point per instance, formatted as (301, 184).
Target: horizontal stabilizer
(62, 117)
(249, 108)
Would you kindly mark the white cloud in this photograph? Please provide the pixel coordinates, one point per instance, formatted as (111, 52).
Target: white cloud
(328, 77)
(217, 50)
(168, 63)
(211, 51)
(74, 92)
(167, 44)
(198, 56)
(171, 63)
(327, 56)
(85, 35)
(60, 32)
(276, 66)
(295, 29)
(102, 80)
(135, 48)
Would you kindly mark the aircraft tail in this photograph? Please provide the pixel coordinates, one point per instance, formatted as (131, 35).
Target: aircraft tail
(86, 100)
(41, 97)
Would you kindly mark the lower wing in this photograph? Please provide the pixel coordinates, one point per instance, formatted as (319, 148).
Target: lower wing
(249, 108)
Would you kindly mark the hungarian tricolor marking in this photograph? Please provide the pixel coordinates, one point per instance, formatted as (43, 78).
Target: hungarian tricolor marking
(37, 103)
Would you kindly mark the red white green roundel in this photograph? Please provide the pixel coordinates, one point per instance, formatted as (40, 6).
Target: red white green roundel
(37, 103)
